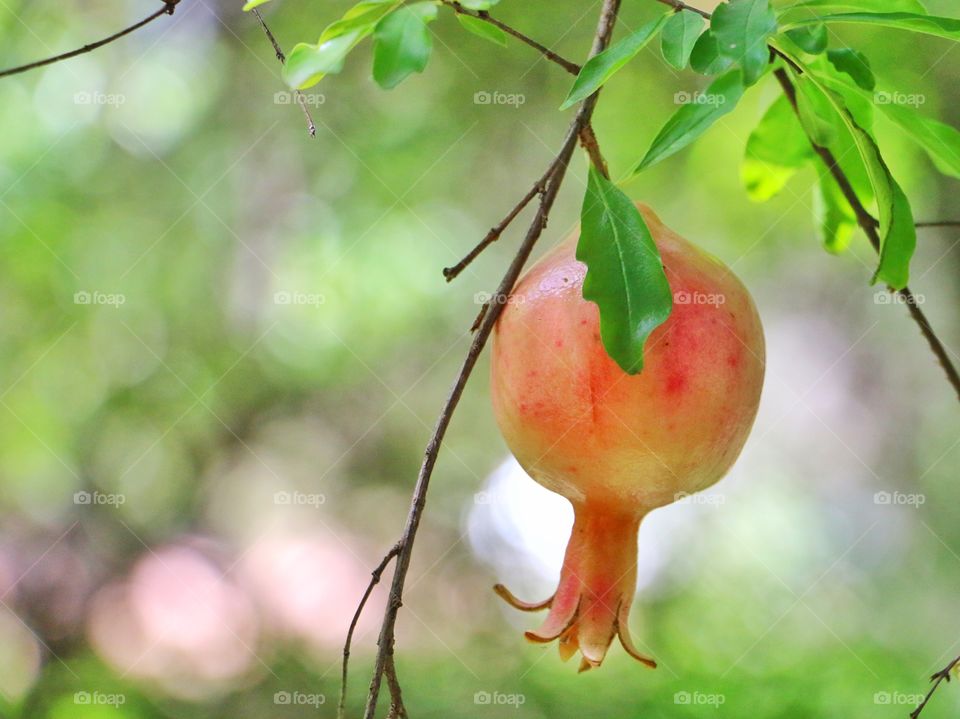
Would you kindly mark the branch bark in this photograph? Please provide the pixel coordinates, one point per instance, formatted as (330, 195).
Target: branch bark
(937, 679)
(168, 7)
(311, 126)
(494, 308)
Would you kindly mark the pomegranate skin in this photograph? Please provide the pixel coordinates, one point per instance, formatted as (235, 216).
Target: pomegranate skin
(584, 428)
(619, 445)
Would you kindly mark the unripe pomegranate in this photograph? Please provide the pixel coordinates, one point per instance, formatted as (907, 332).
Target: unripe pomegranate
(618, 445)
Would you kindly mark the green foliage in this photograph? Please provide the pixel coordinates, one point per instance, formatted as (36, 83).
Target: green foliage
(480, 5)
(602, 67)
(706, 58)
(680, 34)
(825, 7)
(945, 27)
(811, 38)
(402, 43)
(776, 149)
(855, 64)
(254, 3)
(625, 276)
(483, 29)
(742, 28)
(694, 118)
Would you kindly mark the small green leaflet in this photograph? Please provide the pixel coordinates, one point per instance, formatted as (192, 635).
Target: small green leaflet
(898, 235)
(307, 64)
(402, 43)
(821, 7)
(706, 58)
(679, 35)
(478, 4)
(946, 27)
(625, 275)
(483, 29)
(742, 28)
(816, 112)
(833, 214)
(776, 149)
(254, 3)
(601, 67)
(695, 117)
(811, 39)
(855, 64)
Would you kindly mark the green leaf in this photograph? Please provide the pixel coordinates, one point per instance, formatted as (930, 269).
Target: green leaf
(824, 7)
(478, 4)
(706, 58)
(811, 39)
(946, 27)
(695, 118)
(601, 67)
(483, 29)
(817, 116)
(362, 16)
(679, 35)
(855, 64)
(742, 28)
(625, 275)
(254, 3)
(402, 43)
(833, 213)
(898, 236)
(776, 149)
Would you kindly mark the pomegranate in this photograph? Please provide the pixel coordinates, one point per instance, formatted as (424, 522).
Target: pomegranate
(618, 445)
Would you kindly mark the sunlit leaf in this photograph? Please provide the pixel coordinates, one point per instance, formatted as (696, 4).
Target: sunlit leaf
(483, 29)
(742, 28)
(945, 27)
(775, 150)
(679, 35)
(254, 3)
(402, 43)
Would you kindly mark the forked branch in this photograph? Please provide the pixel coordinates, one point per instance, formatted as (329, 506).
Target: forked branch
(938, 678)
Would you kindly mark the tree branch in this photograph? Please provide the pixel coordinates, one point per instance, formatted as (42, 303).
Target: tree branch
(168, 7)
(678, 6)
(494, 308)
(869, 226)
(571, 67)
(939, 223)
(311, 127)
(940, 676)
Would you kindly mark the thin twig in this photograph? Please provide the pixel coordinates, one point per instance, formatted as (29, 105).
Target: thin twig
(939, 223)
(571, 67)
(602, 37)
(494, 234)
(869, 225)
(588, 140)
(375, 576)
(678, 6)
(942, 675)
(167, 9)
(311, 126)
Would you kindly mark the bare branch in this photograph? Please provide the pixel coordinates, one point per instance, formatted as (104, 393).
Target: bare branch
(374, 581)
(937, 679)
(571, 67)
(168, 7)
(869, 225)
(397, 709)
(493, 310)
(588, 140)
(311, 127)
(678, 6)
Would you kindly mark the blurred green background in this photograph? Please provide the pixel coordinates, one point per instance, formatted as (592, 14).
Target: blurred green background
(223, 347)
